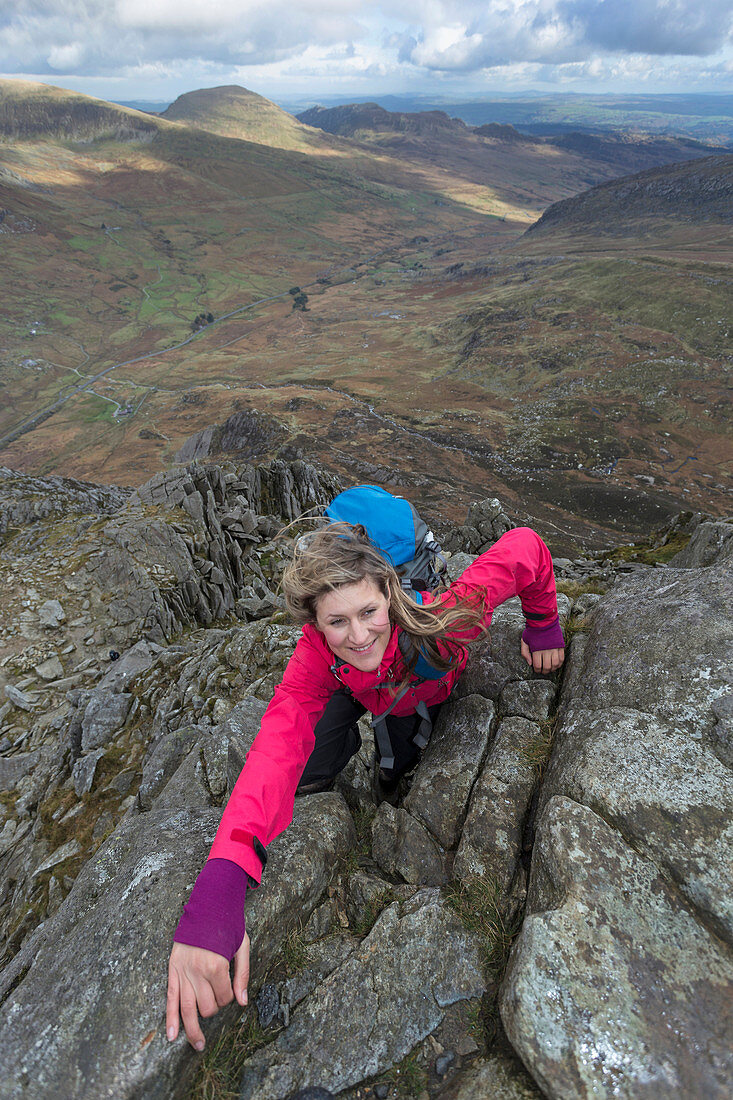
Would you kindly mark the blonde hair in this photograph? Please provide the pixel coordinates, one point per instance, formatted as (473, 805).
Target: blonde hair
(342, 554)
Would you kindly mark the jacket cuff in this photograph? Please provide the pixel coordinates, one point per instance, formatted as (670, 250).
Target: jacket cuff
(213, 917)
(544, 637)
(240, 847)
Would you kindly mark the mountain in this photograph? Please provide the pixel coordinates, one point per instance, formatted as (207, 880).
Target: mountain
(29, 110)
(375, 305)
(350, 119)
(695, 192)
(235, 112)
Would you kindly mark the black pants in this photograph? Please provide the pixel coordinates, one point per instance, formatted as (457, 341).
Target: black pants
(338, 738)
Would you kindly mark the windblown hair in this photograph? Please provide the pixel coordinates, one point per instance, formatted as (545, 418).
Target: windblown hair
(342, 554)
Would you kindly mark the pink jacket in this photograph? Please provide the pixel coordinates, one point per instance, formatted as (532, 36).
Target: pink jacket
(261, 804)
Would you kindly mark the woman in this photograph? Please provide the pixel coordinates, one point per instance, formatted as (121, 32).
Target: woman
(352, 656)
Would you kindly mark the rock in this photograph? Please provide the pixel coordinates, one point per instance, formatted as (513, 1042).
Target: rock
(664, 791)
(267, 1003)
(366, 895)
(636, 736)
(491, 841)
(105, 714)
(401, 845)
(66, 851)
(312, 1094)
(114, 1044)
(321, 921)
(240, 727)
(386, 997)
(163, 761)
(52, 669)
(84, 770)
(51, 615)
(450, 764)
(497, 1078)
(614, 987)
(322, 959)
(444, 1062)
(14, 768)
(711, 542)
(125, 668)
(530, 699)
(19, 698)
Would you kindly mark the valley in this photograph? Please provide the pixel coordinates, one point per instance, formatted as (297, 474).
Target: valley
(375, 305)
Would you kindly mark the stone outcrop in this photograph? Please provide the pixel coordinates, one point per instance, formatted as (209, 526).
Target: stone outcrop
(621, 982)
(598, 828)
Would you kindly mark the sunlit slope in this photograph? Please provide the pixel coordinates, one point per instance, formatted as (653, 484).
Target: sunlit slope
(524, 171)
(232, 111)
(116, 249)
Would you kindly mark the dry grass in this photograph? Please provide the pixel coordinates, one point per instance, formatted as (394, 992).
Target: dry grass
(221, 1068)
(477, 901)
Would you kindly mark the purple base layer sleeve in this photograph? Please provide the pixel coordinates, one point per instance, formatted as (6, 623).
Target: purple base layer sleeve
(544, 637)
(213, 916)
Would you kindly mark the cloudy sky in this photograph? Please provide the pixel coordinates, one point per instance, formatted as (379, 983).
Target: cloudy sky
(156, 49)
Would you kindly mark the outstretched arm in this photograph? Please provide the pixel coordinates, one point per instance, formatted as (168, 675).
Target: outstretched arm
(520, 564)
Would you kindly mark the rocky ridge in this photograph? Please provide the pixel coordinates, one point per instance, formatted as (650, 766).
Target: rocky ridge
(587, 830)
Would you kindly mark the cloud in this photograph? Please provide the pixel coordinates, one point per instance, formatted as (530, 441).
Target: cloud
(439, 38)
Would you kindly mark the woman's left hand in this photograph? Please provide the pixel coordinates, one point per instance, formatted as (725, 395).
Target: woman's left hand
(543, 660)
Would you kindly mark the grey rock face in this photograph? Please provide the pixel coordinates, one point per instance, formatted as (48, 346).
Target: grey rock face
(51, 614)
(614, 987)
(29, 500)
(497, 1078)
(636, 735)
(491, 841)
(451, 762)
(393, 990)
(663, 790)
(105, 714)
(527, 699)
(631, 660)
(52, 669)
(711, 542)
(402, 846)
(13, 768)
(84, 771)
(84, 999)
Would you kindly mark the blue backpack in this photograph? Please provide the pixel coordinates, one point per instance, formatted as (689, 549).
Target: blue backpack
(405, 540)
(397, 530)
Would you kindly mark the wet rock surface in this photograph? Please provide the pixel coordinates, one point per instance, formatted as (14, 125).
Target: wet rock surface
(142, 640)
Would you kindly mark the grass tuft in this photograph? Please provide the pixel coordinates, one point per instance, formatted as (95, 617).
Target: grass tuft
(537, 752)
(221, 1068)
(294, 953)
(409, 1078)
(477, 901)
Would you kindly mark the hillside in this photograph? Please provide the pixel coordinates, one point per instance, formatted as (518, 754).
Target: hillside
(704, 117)
(351, 119)
(29, 110)
(235, 112)
(377, 310)
(696, 192)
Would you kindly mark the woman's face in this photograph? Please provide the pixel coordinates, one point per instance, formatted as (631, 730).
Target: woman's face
(354, 620)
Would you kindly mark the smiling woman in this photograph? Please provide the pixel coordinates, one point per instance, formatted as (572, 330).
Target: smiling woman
(354, 620)
(361, 641)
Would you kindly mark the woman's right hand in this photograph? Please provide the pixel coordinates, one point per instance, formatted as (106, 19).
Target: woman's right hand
(199, 985)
